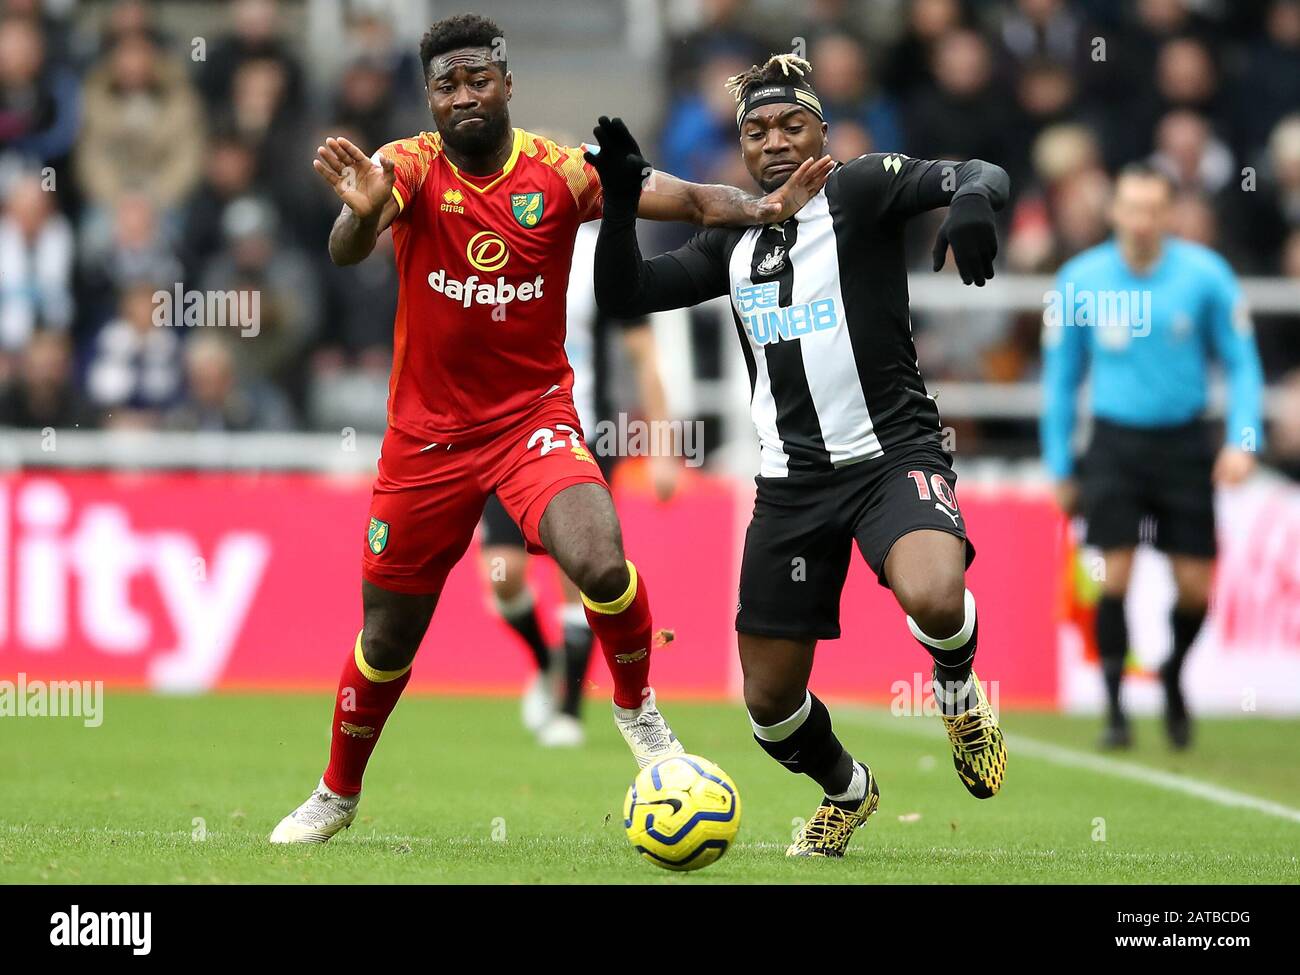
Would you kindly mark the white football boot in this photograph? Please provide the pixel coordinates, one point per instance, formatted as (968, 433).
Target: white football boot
(538, 703)
(561, 731)
(646, 731)
(316, 820)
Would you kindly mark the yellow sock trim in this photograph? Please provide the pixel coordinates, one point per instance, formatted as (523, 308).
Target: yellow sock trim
(370, 673)
(618, 605)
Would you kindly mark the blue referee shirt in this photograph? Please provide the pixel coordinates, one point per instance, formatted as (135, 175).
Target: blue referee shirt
(1146, 340)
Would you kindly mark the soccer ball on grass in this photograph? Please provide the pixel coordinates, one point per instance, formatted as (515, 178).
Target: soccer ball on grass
(682, 812)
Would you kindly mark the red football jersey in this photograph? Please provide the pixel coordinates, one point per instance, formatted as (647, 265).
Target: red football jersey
(484, 265)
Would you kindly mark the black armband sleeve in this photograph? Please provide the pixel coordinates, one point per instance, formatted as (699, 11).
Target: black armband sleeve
(628, 286)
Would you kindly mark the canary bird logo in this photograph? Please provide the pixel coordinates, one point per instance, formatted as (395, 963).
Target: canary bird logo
(528, 208)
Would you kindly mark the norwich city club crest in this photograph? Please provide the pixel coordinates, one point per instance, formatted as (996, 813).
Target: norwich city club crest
(528, 208)
(377, 535)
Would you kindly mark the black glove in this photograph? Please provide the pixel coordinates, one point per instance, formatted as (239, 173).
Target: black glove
(969, 227)
(623, 170)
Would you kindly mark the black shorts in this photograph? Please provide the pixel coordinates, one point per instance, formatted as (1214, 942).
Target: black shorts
(498, 528)
(1150, 484)
(799, 541)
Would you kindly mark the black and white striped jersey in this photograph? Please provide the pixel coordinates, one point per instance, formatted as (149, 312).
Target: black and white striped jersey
(820, 305)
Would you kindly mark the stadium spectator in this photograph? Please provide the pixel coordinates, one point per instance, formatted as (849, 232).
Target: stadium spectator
(909, 63)
(256, 37)
(1193, 218)
(962, 115)
(1269, 86)
(1189, 153)
(135, 370)
(367, 102)
(261, 112)
(43, 392)
(370, 38)
(1262, 218)
(1284, 439)
(39, 101)
(143, 130)
(347, 394)
(215, 401)
(229, 174)
(127, 17)
(1043, 30)
(700, 130)
(1278, 335)
(848, 92)
(722, 27)
(36, 262)
(286, 288)
(119, 248)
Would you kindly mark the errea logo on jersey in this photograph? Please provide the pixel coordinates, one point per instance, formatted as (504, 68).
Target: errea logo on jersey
(452, 201)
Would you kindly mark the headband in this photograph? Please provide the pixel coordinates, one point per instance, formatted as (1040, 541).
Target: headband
(762, 95)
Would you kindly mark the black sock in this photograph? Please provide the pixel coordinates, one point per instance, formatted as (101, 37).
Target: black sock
(809, 748)
(1112, 646)
(578, 640)
(953, 664)
(521, 615)
(1186, 624)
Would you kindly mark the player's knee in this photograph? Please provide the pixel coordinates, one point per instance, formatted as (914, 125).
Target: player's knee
(938, 606)
(602, 578)
(770, 703)
(388, 646)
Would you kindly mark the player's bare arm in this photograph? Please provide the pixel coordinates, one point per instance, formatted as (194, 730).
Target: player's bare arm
(365, 186)
(629, 180)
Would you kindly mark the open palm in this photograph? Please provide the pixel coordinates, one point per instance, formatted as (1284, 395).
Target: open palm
(362, 183)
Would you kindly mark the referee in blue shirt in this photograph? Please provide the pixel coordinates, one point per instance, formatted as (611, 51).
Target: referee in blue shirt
(1142, 316)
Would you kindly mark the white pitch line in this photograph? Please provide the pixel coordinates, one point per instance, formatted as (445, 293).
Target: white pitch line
(1104, 765)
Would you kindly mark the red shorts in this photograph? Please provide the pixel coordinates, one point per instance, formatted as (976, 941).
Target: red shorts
(428, 498)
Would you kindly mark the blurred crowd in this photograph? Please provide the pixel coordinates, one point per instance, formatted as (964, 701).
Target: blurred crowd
(130, 160)
(1061, 93)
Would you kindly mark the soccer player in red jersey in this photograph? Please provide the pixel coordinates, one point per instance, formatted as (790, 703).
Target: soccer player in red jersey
(483, 217)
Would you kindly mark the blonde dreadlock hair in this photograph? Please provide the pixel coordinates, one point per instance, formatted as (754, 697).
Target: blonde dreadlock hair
(766, 72)
(787, 72)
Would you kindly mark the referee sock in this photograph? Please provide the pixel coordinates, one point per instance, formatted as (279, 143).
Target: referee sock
(806, 745)
(520, 613)
(954, 656)
(624, 628)
(1112, 647)
(1186, 624)
(578, 640)
(366, 697)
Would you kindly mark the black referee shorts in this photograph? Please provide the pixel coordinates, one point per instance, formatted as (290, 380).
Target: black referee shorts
(799, 541)
(1150, 484)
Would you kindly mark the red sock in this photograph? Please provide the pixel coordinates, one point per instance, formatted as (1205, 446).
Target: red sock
(365, 699)
(623, 628)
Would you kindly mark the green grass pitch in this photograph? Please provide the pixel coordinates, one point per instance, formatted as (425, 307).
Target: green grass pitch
(186, 790)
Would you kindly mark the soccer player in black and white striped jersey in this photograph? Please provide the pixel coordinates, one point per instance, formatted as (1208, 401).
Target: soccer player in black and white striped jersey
(850, 441)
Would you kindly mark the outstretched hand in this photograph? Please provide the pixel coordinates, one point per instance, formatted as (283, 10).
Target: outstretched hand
(623, 170)
(362, 183)
(804, 183)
